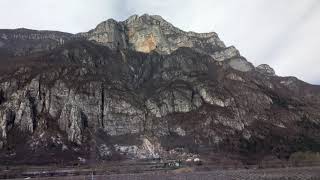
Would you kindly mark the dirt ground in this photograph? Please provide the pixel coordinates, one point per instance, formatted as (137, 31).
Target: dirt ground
(307, 173)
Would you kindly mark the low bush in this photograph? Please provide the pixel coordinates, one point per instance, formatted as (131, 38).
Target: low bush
(305, 158)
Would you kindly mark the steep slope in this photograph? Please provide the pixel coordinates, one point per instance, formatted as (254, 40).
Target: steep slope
(144, 89)
(22, 42)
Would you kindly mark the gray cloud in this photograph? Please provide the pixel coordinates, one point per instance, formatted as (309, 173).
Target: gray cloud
(64, 15)
(286, 36)
(282, 33)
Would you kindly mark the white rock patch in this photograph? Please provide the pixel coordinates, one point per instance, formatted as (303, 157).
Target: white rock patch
(241, 65)
(180, 131)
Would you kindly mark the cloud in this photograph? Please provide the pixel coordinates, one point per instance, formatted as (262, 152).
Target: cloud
(301, 55)
(64, 15)
(282, 33)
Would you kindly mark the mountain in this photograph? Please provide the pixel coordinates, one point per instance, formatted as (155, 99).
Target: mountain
(143, 89)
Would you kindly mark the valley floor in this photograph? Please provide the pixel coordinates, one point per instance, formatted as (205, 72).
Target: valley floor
(302, 173)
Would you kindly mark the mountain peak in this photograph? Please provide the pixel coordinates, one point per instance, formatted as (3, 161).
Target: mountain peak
(145, 17)
(148, 33)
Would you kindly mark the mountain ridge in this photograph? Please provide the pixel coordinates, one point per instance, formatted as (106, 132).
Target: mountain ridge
(158, 93)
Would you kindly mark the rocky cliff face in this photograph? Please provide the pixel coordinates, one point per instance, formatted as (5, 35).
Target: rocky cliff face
(151, 33)
(144, 89)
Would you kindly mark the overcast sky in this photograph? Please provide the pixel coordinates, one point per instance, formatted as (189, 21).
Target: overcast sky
(282, 33)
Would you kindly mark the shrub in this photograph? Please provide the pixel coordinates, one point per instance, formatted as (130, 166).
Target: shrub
(305, 158)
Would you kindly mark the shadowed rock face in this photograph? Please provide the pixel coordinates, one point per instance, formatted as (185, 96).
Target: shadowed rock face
(22, 42)
(140, 89)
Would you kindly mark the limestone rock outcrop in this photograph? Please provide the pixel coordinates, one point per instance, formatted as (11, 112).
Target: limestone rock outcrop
(148, 33)
(266, 69)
